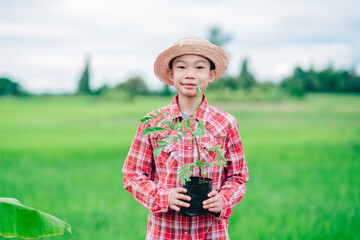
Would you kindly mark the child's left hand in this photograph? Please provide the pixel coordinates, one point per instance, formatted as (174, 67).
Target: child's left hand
(213, 204)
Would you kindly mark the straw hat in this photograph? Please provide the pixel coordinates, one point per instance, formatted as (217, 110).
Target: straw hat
(190, 45)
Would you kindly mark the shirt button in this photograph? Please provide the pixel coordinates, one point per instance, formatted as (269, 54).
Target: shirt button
(189, 148)
(185, 232)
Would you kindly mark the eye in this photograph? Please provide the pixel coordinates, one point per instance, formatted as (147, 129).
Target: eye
(199, 67)
(180, 67)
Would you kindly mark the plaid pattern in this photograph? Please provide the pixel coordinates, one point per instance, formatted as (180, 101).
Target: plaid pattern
(150, 179)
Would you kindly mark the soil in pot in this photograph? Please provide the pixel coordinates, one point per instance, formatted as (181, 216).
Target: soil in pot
(198, 192)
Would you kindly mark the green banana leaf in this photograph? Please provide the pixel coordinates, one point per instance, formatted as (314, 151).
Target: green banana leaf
(17, 220)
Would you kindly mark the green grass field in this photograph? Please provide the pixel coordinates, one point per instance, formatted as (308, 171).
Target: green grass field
(63, 155)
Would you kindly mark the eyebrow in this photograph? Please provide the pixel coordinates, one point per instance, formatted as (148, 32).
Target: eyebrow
(182, 61)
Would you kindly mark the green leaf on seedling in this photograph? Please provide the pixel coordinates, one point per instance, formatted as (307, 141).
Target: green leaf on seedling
(207, 164)
(162, 143)
(182, 132)
(202, 127)
(222, 156)
(188, 122)
(157, 113)
(185, 168)
(144, 119)
(152, 129)
(199, 131)
(174, 138)
(185, 172)
(199, 163)
(214, 148)
(221, 163)
(222, 151)
(197, 91)
(180, 125)
(198, 94)
(168, 123)
(158, 150)
(220, 160)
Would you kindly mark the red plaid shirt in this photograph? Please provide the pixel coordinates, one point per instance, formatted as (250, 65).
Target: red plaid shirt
(150, 179)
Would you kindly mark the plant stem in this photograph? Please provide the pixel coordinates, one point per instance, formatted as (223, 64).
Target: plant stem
(198, 151)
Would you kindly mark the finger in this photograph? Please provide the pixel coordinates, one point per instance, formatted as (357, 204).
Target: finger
(180, 190)
(183, 197)
(211, 200)
(174, 207)
(211, 205)
(212, 193)
(182, 204)
(176, 193)
(215, 210)
(177, 204)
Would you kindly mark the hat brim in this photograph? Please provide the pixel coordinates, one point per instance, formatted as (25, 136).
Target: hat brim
(212, 52)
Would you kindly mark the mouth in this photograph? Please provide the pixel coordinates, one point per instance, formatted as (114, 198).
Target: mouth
(189, 85)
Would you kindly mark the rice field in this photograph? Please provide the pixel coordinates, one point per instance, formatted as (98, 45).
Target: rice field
(64, 154)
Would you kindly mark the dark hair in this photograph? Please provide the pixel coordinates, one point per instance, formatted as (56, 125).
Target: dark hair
(212, 65)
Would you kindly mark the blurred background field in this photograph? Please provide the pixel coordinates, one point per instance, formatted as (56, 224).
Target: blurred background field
(75, 77)
(64, 154)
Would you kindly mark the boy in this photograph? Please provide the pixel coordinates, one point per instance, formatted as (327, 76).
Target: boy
(152, 180)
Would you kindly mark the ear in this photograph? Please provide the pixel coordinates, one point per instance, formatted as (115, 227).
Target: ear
(170, 74)
(212, 75)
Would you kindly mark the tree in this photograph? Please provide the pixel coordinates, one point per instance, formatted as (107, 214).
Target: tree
(218, 37)
(84, 82)
(245, 80)
(352, 81)
(134, 85)
(326, 80)
(166, 91)
(295, 84)
(8, 87)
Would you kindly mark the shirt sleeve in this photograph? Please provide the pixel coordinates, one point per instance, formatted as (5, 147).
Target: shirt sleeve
(233, 189)
(138, 175)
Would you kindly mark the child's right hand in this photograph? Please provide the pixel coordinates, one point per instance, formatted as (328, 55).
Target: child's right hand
(176, 197)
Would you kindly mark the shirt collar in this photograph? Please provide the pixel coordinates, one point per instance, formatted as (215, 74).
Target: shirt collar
(201, 112)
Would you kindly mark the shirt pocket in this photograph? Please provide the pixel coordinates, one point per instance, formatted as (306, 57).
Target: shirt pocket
(205, 154)
(168, 155)
(166, 164)
(209, 141)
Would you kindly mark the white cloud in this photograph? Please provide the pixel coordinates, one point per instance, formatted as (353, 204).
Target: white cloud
(35, 30)
(44, 43)
(278, 63)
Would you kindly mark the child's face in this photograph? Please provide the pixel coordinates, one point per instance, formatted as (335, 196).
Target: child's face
(190, 70)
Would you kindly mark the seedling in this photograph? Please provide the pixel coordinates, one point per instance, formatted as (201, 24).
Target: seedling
(182, 128)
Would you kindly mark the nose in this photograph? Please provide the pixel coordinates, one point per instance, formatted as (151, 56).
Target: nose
(190, 74)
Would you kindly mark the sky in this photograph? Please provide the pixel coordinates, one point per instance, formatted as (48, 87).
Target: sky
(44, 44)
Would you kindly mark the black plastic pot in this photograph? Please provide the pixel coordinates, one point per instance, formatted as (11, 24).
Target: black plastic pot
(198, 192)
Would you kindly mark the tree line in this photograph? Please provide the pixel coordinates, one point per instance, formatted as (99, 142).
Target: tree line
(326, 80)
(296, 84)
